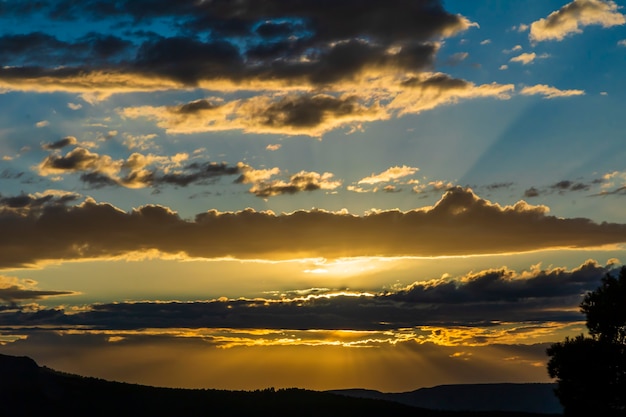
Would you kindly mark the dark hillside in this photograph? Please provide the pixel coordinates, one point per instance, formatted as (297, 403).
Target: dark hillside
(27, 390)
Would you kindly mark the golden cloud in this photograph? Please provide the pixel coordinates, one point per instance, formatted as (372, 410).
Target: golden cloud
(570, 18)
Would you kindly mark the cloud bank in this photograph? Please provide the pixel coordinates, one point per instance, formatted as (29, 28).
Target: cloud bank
(534, 297)
(461, 223)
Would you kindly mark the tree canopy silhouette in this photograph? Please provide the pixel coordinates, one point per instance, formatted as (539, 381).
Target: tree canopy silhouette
(591, 371)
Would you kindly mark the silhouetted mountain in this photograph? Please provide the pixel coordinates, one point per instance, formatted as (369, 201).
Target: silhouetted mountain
(531, 398)
(28, 390)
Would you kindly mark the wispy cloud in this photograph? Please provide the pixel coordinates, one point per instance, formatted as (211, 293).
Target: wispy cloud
(528, 58)
(391, 174)
(549, 91)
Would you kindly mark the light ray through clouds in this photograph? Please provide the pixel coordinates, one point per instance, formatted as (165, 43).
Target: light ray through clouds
(378, 196)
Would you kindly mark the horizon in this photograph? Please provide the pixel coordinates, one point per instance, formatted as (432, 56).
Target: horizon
(313, 195)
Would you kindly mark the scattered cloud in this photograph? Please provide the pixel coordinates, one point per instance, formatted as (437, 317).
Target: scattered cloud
(522, 27)
(273, 147)
(513, 49)
(571, 18)
(622, 43)
(391, 174)
(528, 58)
(613, 183)
(42, 123)
(457, 58)
(61, 143)
(549, 92)
(74, 106)
(302, 181)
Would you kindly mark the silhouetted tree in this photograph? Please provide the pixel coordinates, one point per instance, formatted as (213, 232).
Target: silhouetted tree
(591, 371)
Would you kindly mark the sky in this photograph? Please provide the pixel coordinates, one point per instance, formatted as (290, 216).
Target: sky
(316, 194)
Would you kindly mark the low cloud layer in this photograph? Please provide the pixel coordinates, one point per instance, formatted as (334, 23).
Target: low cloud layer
(461, 223)
(535, 297)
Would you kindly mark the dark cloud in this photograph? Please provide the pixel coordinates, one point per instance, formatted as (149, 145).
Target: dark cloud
(195, 106)
(40, 49)
(16, 293)
(338, 39)
(28, 203)
(505, 285)
(189, 60)
(61, 143)
(7, 174)
(302, 181)
(499, 186)
(97, 180)
(438, 81)
(567, 185)
(461, 223)
(137, 171)
(197, 173)
(475, 300)
(308, 111)
(79, 159)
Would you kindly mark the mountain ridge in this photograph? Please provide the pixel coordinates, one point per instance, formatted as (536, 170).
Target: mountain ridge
(27, 389)
(520, 397)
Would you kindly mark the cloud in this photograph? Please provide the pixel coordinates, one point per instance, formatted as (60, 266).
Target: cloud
(457, 58)
(513, 49)
(549, 92)
(273, 147)
(302, 181)
(321, 69)
(528, 58)
(294, 114)
(531, 192)
(252, 46)
(572, 17)
(14, 291)
(622, 43)
(137, 171)
(99, 230)
(42, 123)
(140, 171)
(391, 174)
(78, 159)
(613, 183)
(61, 143)
(429, 90)
(468, 305)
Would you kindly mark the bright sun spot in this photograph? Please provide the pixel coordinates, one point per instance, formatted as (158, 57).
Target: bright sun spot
(344, 267)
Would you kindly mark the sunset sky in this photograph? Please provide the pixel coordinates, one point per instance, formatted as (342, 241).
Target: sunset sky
(319, 194)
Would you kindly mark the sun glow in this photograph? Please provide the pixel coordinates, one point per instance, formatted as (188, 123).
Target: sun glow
(346, 267)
